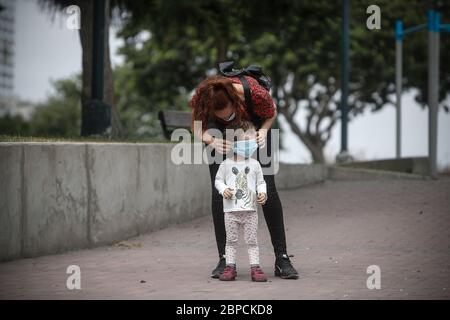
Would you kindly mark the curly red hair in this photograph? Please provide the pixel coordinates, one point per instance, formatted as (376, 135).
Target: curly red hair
(215, 93)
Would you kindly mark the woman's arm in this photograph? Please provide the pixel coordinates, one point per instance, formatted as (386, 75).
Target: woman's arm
(268, 122)
(203, 136)
(264, 106)
(262, 132)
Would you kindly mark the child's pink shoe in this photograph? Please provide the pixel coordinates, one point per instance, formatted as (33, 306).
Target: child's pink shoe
(228, 274)
(257, 274)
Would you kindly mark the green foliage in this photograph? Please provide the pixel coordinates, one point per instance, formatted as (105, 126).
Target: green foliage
(133, 108)
(298, 44)
(13, 124)
(60, 114)
(171, 45)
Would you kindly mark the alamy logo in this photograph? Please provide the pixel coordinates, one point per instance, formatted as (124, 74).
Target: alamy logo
(74, 280)
(73, 19)
(374, 20)
(374, 280)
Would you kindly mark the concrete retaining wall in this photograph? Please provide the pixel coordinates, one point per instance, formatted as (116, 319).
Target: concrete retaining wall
(57, 197)
(348, 173)
(414, 165)
(291, 176)
(63, 196)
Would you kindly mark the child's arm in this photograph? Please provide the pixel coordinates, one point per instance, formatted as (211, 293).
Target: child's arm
(220, 180)
(261, 187)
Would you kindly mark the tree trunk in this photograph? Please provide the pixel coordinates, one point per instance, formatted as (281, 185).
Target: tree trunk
(108, 93)
(222, 37)
(313, 145)
(316, 153)
(222, 47)
(86, 33)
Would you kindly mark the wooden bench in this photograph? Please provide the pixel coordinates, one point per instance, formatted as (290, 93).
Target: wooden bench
(171, 120)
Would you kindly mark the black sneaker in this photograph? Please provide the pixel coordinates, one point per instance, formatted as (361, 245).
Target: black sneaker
(219, 269)
(284, 268)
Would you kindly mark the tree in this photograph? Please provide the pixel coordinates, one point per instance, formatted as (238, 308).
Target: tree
(86, 9)
(13, 125)
(60, 115)
(297, 43)
(133, 108)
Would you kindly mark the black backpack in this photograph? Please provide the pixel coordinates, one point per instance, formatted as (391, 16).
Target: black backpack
(226, 69)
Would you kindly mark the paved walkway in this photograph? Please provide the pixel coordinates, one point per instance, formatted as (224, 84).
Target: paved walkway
(335, 230)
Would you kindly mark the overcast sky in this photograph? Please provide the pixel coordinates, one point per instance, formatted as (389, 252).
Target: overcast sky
(46, 50)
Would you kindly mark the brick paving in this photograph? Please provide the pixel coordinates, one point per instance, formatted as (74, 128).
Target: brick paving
(335, 230)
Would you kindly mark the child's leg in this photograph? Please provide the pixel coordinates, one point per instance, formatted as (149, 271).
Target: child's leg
(250, 235)
(232, 231)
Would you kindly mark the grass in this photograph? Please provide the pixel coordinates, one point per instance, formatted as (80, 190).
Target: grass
(12, 138)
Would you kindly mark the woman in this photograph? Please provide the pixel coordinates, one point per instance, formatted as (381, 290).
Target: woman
(217, 103)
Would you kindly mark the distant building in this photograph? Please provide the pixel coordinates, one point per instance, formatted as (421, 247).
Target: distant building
(7, 8)
(13, 106)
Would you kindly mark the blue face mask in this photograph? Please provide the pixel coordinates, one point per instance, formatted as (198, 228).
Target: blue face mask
(245, 148)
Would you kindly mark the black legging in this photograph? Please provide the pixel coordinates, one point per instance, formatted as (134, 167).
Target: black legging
(273, 211)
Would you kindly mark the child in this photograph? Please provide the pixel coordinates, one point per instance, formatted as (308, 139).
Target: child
(241, 183)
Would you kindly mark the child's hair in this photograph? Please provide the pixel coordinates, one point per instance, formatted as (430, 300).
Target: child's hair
(241, 127)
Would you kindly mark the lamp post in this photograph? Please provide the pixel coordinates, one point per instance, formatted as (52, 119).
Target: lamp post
(96, 114)
(343, 156)
(398, 86)
(433, 88)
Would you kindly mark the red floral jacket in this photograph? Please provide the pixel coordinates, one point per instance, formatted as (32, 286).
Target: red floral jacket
(263, 105)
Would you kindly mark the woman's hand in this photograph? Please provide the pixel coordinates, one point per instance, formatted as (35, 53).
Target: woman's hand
(228, 193)
(261, 137)
(262, 198)
(222, 146)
